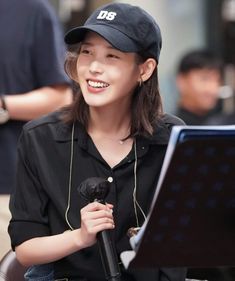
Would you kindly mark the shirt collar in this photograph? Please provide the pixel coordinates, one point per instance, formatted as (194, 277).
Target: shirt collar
(63, 133)
(160, 136)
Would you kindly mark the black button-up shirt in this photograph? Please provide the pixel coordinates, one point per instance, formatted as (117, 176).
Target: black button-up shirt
(41, 198)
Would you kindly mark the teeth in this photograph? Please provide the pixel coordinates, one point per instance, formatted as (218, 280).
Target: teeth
(97, 84)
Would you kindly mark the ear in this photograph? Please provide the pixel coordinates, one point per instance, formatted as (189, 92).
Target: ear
(147, 69)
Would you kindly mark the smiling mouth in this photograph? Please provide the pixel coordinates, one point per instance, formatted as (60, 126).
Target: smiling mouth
(99, 85)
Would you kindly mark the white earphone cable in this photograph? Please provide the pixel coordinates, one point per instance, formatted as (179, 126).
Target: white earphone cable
(135, 202)
(70, 179)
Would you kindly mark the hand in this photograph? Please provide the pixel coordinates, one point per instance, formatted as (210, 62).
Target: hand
(95, 217)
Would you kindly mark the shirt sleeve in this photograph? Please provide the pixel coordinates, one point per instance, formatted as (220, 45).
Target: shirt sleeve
(28, 203)
(48, 49)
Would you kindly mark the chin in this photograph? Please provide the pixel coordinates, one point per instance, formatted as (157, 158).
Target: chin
(93, 103)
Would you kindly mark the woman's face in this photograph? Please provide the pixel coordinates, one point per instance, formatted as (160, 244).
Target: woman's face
(106, 75)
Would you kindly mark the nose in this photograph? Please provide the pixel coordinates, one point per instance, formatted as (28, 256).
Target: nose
(96, 67)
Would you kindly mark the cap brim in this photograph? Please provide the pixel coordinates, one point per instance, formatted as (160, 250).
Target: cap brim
(116, 38)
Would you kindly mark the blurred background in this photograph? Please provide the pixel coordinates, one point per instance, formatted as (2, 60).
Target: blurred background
(185, 25)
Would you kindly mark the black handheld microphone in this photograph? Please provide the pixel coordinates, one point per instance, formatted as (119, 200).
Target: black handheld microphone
(96, 189)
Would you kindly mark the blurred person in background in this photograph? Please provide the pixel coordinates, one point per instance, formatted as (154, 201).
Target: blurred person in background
(199, 78)
(32, 82)
(224, 119)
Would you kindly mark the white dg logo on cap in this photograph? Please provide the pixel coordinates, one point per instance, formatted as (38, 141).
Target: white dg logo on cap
(106, 15)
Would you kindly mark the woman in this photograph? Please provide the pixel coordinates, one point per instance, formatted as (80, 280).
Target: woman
(115, 129)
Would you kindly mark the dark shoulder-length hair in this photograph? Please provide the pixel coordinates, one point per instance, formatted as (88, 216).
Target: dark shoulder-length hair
(146, 106)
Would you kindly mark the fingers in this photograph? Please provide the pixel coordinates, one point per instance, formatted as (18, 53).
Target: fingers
(94, 206)
(94, 226)
(96, 214)
(97, 211)
(95, 217)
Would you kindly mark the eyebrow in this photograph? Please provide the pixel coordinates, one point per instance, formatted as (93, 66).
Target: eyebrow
(86, 43)
(91, 44)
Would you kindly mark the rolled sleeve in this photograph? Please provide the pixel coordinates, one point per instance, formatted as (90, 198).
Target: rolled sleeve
(28, 203)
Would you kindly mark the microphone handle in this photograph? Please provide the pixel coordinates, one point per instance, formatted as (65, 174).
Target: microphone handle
(108, 256)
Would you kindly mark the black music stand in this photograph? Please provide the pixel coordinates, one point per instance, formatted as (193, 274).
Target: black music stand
(192, 218)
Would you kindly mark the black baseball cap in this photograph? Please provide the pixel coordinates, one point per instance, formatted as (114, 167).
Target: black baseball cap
(126, 27)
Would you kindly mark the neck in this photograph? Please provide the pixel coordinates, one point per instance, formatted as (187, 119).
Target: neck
(109, 123)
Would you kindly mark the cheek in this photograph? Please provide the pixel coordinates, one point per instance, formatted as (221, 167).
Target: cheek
(113, 73)
(130, 75)
(82, 64)
(215, 88)
(81, 70)
(128, 82)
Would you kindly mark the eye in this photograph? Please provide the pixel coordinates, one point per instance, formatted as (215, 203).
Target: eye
(113, 56)
(85, 51)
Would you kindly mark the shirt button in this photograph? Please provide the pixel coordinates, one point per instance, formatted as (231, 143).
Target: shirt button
(110, 179)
